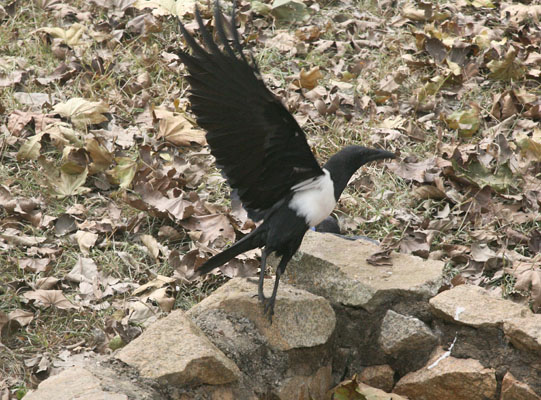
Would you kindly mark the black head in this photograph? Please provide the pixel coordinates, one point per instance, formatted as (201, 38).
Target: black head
(343, 164)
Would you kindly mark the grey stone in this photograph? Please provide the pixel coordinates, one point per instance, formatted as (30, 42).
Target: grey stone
(449, 378)
(106, 379)
(400, 333)
(314, 387)
(524, 333)
(474, 306)
(512, 389)
(301, 319)
(174, 350)
(73, 383)
(336, 268)
(378, 376)
(373, 393)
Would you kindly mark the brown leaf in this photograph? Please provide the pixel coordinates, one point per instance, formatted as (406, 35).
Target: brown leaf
(21, 316)
(85, 269)
(152, 245)
(176, 129)
(428, 192)
(308, 79)
(415, 243)
(85, 240)
(510, 68)
(12, 78)
(16, 237)
(380, 258)
(412, 170)
(214, 227)
(35, 264)
(47, 298)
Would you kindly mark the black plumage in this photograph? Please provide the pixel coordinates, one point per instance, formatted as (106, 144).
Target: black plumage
(262, 150)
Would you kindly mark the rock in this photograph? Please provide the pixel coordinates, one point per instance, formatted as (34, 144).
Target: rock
(378, 376)
(355, 389)
(73, 383)
(474, 306)
(106, 379)
(449, 378)
(373, 393)
(524, 333)
(306, 387)
(174, 350)
(336, 268)
(301, 319)
(512, 389)
(401, 334)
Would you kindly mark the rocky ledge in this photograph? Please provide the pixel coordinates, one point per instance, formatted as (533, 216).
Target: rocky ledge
(388, 327)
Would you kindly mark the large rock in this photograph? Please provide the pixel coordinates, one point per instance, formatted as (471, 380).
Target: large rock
(474, 306)
(449, 378)
(73, 383)
(525, 333)
(372, 393)
(336, 268)
(378, 376)
(300, 320)
(512, 389)
(400, 334)
(311, 387)
(104, 380)
(174, 350)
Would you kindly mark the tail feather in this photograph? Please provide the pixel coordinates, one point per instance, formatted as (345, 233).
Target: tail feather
(246, 243)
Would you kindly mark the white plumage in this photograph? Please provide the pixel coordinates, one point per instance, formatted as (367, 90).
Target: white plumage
(314, 199)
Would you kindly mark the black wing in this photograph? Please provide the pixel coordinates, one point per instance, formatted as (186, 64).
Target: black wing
(256, 141)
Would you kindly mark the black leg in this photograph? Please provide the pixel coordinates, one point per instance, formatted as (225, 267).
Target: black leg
(260, 293)
(269, 303)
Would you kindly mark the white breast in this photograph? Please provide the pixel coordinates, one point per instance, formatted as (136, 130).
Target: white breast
(314, 199)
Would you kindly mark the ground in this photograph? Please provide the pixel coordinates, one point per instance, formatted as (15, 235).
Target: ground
(109, 198)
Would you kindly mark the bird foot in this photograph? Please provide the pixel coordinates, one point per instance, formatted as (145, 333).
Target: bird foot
(268, 308)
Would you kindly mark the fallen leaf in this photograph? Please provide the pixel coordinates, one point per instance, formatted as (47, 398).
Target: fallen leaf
(177, 8)
(151, 244)
(85, 240)
(507, 69)
(85, 269)
(176, 129)
(466, 122)
(289, 10)
(35, 264)
(212, 227)
(82, 112)
(71, 36)
(47, 298)
(308, 79)
(61, 183)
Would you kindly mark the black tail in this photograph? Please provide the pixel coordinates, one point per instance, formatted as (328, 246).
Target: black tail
(248, 242)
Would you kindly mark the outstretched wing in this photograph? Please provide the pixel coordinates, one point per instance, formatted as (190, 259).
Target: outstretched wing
(255, 140)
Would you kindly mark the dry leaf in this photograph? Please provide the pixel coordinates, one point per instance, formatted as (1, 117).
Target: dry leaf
(82, 112)
(47, 298)
(178, 8)
(176, 129)
(71, 36)
(86, 240)
(308, 80)
(85, 269)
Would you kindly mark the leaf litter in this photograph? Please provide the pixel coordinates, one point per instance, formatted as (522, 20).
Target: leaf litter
(109, 199)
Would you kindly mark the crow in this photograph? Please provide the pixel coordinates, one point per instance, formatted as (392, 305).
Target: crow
(261, 150)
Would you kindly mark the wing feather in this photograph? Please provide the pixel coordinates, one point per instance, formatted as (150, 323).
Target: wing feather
(256, 142)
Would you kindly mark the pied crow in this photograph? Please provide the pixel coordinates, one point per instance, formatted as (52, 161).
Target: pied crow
(261, 150)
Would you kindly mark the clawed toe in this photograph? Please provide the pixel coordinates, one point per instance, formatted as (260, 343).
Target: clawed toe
(268, 308)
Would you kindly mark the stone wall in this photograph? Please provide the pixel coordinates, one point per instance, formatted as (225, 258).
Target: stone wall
(389, 326)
